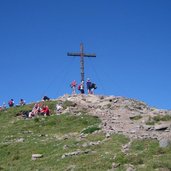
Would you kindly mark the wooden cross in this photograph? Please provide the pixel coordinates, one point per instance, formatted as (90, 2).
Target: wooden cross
(82, 55)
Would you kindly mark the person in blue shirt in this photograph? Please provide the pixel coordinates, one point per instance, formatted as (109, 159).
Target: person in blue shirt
(89, 85)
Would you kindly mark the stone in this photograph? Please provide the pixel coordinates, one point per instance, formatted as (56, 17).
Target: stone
(65, 147)
(115, 165)
(85, 145)
(36, 156)
(164, 142)
(78, 152)
(148, 127)
(130, 167)
(107, 135)
(71, 168)
(20, 140)
(162, 127)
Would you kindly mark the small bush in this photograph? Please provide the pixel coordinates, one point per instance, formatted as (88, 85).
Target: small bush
(135, 159)
(121, 158)
(158, 118)
(1, 168)
(109, 105)
(150, 123)
(90, 130)
(162, 118)
(68, 103)
(136, 117)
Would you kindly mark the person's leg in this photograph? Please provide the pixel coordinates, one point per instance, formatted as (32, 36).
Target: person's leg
(82, 91)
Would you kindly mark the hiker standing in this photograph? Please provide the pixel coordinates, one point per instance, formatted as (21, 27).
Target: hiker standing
(11, 103)
(81, 87)
(73, 86)
(93, 87)
(89, 85)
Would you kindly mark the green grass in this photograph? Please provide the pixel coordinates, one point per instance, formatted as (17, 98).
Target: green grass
(90, 130)
(68, 103)
(157, 119)
(162, 118)
(148, 154)
(57, 135)
(137, 117)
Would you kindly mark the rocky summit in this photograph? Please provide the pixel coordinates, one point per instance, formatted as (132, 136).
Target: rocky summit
(126, 116)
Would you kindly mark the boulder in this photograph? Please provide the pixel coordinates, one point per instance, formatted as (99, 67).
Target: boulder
(162, 127)
(36, 156)
(164, 142)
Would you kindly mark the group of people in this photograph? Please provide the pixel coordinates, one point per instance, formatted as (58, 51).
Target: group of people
(22, 102)
(44, 110)
(90, 87)
(3, 106)
(11, 103)
(39, 109)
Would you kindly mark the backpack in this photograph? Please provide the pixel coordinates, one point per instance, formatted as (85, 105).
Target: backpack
(79, 87)
(94, 86)
(10, 103)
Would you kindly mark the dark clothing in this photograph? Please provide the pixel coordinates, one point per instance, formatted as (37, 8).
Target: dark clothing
(82, 91)
(93, 85)
(45, 98)
(89, 85)
(11, 103)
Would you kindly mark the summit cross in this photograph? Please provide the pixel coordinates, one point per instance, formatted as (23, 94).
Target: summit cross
(81, 54)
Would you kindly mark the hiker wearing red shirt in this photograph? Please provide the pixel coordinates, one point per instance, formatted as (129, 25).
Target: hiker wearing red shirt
(11, 103)
(73, 85)
(45, 110)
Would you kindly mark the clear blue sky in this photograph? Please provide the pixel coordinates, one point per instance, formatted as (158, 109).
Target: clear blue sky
(132, 41)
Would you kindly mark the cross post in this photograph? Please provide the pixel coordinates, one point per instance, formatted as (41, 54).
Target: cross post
(81, 54)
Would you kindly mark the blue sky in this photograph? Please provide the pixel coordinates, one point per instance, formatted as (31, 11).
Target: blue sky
(132, 41)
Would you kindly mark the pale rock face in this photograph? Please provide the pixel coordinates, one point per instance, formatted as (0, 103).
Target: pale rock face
(117, 115)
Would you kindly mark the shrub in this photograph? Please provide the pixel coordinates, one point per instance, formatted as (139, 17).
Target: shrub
(137, 117)
(90, 130)
(68, 103)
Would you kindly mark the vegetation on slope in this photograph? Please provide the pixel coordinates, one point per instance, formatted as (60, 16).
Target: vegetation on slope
(57, 136)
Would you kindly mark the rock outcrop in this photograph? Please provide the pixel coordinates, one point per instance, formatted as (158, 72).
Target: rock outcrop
(121, 115)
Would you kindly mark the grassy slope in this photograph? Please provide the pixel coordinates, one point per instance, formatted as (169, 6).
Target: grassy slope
(49, 136)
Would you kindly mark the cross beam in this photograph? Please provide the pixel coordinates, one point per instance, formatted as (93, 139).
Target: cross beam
(81, 54)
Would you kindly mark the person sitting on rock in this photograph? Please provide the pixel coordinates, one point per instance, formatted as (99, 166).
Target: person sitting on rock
(22, 102)
(4, 106)
(45, 111)
(35, 111)
(45, 98)
(59, 108)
